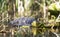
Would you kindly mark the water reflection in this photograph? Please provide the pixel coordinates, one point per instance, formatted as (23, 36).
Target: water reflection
(32, 32)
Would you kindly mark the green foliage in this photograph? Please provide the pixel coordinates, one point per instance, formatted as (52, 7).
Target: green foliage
(16, 3)
(55, 13)
(48, 2)
(41, 25)
(54, 9)
(3, 5)
(35, 7)
(54, 6)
